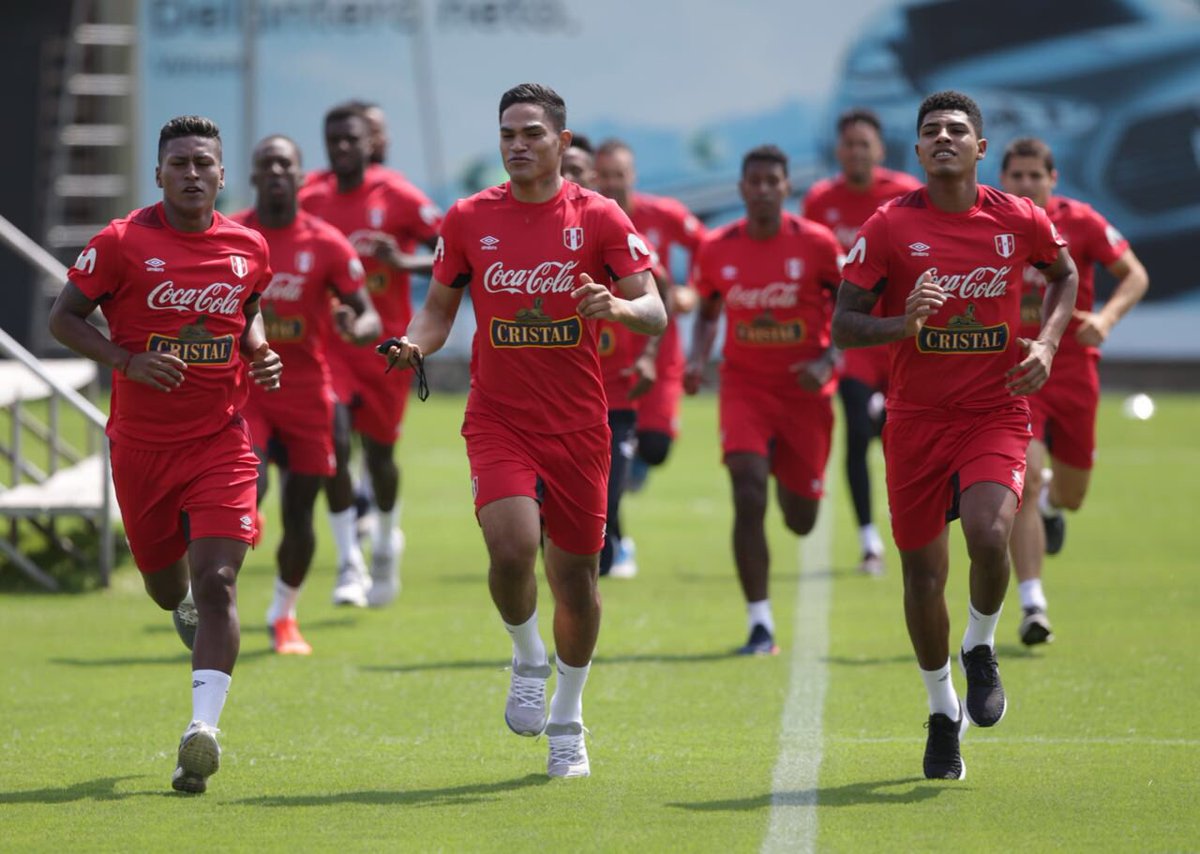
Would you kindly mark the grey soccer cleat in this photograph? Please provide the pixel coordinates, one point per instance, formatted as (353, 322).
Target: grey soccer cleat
(568, 752)
(186, 620)
(199, 758)
(525, 709)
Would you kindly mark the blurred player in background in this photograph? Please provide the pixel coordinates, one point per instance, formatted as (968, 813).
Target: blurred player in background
(843, 203)
(386, 221)
(946, 261)
(774, 275)
(311, 262)
(666, 224)
(179, 285)
(1064, 410)
(546, 261)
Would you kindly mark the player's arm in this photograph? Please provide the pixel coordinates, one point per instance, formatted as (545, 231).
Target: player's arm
(704, 334)
(855, 326)
(1132, 283)
(356, 319)
(1062, 285)
(265, 364)
(639, 307)
(429, 328)
(68, 323)
(645, 367)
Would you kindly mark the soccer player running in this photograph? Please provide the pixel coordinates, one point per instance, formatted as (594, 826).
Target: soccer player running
(1064, 410)
(385, 220)
(946, 261)
(666, 224)
(775, 275)
(311, 261)
(843, 203)
(539, 254)
(179, 285)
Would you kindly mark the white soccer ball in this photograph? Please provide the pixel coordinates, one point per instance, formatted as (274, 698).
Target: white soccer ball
(1138, 406)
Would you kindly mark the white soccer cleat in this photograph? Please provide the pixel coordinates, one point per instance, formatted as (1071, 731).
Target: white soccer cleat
(385, 571)
(352, 585)
(624, 563)
(199, 758)
(525, 708)
(568, 752)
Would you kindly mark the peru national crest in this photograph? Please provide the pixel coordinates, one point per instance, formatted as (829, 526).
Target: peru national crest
(240, 266)
(1005, 244)
(573, 238)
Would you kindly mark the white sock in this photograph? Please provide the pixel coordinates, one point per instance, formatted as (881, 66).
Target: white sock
(527, 643)
(759, 614)
(284, 603)
(981, 628)
(381, 531)
(209, 689)
(1031, 594)
(345, 536)
(869, 539)
(566, 706)
(1045, 506)
(939, 684)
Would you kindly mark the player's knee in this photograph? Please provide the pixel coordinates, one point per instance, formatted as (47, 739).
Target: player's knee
(800, 520)
(214, 588)
(512, 559)
(653, 447)
(749, 497)
(1069, 499)
(987, 540)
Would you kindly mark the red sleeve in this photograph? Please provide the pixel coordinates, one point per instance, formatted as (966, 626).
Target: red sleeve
(264, 280)
(1105, 242)
(623, 251)
(830, 257)
(689, 231)
(866, 263)
(1046, 239)
(450, 263)
(345, 268)
(97, 271)
(417, 217)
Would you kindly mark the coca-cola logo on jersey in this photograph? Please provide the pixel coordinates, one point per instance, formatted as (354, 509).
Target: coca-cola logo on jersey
(979, 283)
(364, 241)
(285, 287)
(217, 298)
(548, 277)
(774, 295)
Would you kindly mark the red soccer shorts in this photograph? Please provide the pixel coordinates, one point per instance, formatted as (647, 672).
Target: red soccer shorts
(1064, 410)
(566, 473)
(376, 402)
(932, 458)
(210, 482)
(788, 425)
(300, 417)
(868, 365)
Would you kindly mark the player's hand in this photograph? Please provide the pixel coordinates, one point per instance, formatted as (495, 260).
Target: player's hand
(924, 301)
(646, 375)
(1093, 328)
(343, 322)
(596, 301)
(813, 375)
(684, 299)
(400, 352)
(157, 370)
(693, 378)
(1031, 373)
(266, 367)
(385, 250)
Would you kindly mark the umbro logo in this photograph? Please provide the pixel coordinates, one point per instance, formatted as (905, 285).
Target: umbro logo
(247, 523)
(919, 249)
(489, 243)
(155, 265)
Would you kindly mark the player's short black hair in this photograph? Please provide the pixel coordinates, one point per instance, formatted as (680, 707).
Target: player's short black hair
(542, 96)
(581, 142)
(612, 145)
(346, 110)
(951, 100)
(262, 143)
(182, 126)
(765, 154)
(1028, 146)
(856, 115)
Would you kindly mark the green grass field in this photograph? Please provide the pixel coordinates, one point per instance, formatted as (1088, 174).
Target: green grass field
(391, 737)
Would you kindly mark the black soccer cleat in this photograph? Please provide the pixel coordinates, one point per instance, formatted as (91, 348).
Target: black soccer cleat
(943, 759)
(760, 642)
(986, 702)
(1035, 627)
(1056, 532)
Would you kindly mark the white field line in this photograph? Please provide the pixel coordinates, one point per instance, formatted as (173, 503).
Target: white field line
(793, 823)
(1117, 741)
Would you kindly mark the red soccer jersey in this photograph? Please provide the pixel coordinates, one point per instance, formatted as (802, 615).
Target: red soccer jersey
(843, 208)
(310, 258)
(778, 296)
(534, 359)
(960, 357)
(182, 293)
(375, 173)
(1091, 241)
(389, 208)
